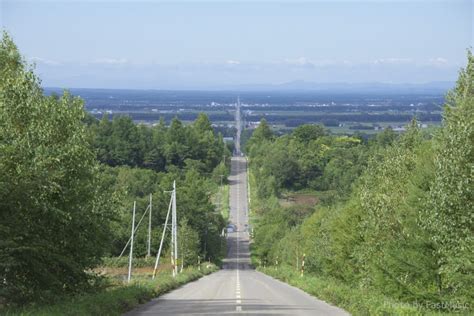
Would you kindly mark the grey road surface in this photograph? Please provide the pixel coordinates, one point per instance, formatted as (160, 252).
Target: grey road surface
(237, 288)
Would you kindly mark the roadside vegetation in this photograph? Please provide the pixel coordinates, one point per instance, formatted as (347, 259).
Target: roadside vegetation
(114, 297)
(393, 213)
(67, 186)
(225, 206)
(354, 300)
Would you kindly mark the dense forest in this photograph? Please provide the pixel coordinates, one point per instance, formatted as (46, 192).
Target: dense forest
(137, 161)
(68, 182)
(394, 213)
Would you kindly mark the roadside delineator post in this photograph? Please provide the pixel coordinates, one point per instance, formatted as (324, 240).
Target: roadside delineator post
(302, 265)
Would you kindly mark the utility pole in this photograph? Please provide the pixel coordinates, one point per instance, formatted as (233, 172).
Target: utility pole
(149, 229)
(131, 245)
(174, 234)
(175, 231)
(136, 228)
(162, 238)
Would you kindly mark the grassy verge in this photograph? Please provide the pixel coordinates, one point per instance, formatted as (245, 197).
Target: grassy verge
(117, 299)
(115, 262)
(355, 301)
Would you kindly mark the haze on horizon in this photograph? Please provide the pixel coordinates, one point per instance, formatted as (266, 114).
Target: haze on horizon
(214, 45)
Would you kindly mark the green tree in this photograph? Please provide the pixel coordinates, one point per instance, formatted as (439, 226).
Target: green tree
(449, 217)
(262, 133)
(54, 218)
(189, 243)
(125, 142)
(386, 137)
(306, 133)
(102, 133)
(202, 123)
(155, 157)
(176, 148)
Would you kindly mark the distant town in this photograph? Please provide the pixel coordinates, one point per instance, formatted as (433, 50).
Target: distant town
(343, 112)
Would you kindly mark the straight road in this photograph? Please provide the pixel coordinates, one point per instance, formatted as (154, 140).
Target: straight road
(237, 288)
(238, 126)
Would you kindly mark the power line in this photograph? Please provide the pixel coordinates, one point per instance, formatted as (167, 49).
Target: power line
(162, 237)
(134, 232)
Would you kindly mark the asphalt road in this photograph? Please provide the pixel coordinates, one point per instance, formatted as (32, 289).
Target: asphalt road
(237, 288)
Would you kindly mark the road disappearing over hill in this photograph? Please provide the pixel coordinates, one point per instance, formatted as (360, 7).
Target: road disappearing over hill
(237, 288)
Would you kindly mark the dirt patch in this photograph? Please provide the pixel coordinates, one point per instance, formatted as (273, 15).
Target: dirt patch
(305, 199)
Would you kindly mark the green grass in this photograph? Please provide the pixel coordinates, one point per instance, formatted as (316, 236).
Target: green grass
(117, 299)
(115, 262)
(354, 300)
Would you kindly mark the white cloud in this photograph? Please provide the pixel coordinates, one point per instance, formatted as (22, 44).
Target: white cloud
(297, 61)
(39, 60)
(392, 61)
(303, 61)
(111, 61)
(438, 61)
(233, 62)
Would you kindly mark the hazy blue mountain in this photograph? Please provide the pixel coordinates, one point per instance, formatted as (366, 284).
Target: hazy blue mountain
(435, 87)
(344, 87)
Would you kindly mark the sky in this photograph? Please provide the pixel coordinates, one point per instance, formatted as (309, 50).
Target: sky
(221, 44)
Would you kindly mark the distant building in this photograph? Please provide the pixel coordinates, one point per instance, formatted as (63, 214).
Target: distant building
(253, 124)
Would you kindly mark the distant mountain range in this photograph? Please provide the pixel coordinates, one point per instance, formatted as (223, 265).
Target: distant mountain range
(440, 86)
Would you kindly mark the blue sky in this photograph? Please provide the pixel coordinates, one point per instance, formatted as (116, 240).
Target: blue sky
(216, 44)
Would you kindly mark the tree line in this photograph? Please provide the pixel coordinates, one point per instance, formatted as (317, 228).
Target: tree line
(68, 182)
(395, 213)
